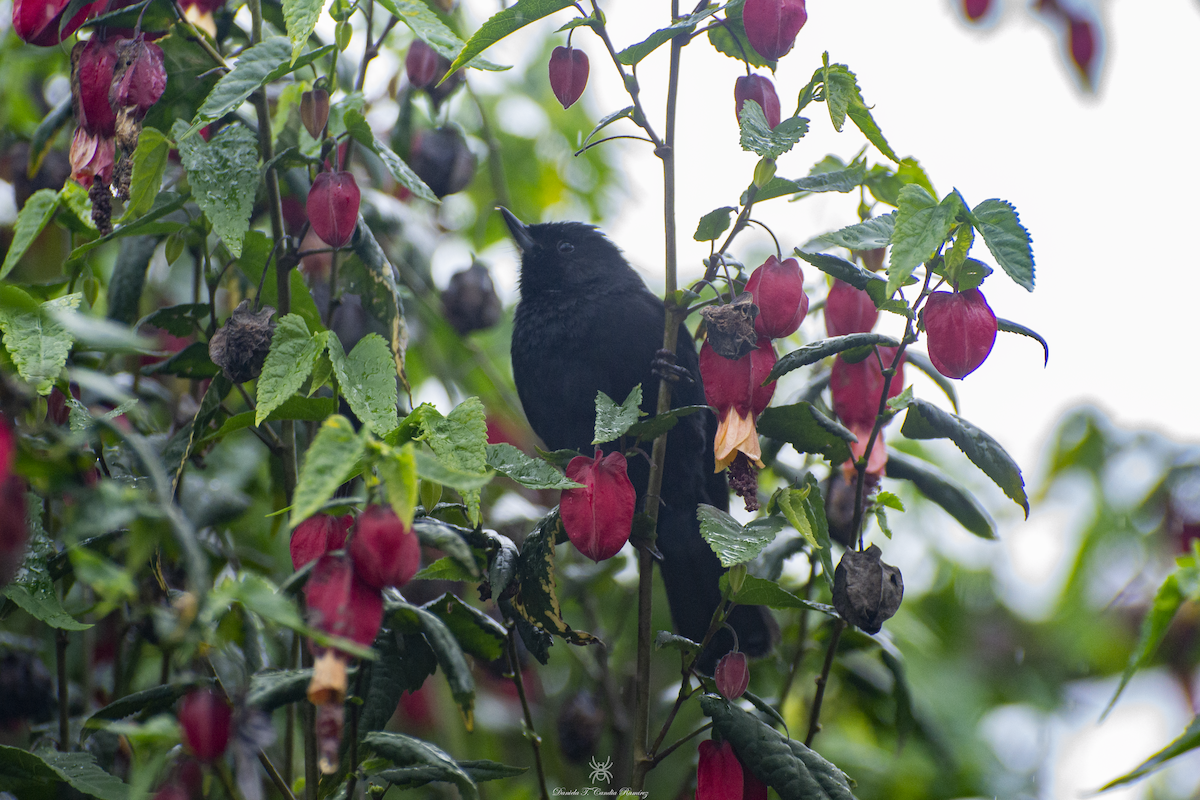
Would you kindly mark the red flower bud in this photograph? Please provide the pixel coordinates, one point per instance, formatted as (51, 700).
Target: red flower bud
(759, 89)
(13, 531)
(772, 25)
(139, 78)
(735, 389)
(384, 552)
(206, 722)
(316, 536)
(849, 310)
(856, 388)
(1081, 36)
(37, 21)
(975, 9)
(421, 64)
(314, 111)
(92, 157)
(599, 516)
(333, 207)
(568, 74)
(960, 329)
(732, 675)
(340, 603)
(778, 289)
(719, 773)
(93, 63)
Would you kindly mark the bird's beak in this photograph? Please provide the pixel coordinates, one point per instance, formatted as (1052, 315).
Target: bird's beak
(518, 229)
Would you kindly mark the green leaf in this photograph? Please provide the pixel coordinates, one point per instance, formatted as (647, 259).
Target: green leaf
(178, 320)
(479, 634)
(1167, 601)
(397, 468)
(372, 277)
(759, 137)
(270, 690)
(612, 421)
(503, 558)
(33, 218)
(799, 425)
(713, 224)
(1006, 238)
(943, 490)
(330, 460)
(823, 348)
(255, 67)
(866, 235)
(449, 654)
(43, 136)
(356, 126)
(665, 639)
(1012, 327)
(922, 224)
(633, 54)
(762, 592)
(609, 119)
(148, 224)
(367, 379)
(479, 771)
(223, 173)
(791, 503)
(460, 443)
(300, 17)
(733, 543)
(129, 277)
(426, 25)
(454, 541)
(445, 569)
(649, 428)
(841, 269)
(408, 751)
(730, 39)
(37, 342)
(1188, 740)
(537, 595)
(790, 768)
(288, 364)
(20, 768)
(922, 362)
(430, 468)
(507, 21)
(190, 362)
(149, 164)
(927, 421)
(532, 473)
(146, 702)
(843, 98)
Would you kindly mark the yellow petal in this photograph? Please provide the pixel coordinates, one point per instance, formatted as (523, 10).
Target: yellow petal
(735, 434)
(328, 684)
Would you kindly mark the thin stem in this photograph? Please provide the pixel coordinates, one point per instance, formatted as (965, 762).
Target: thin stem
(352, 779)
(814, 719)
(739, 224)
(308, 715)
(587, 147)
(535, 741)
(275, 777)
(495, 161)
(64, 705)
(800, 641)
(289, 730)
(639, 114)
(675, 745)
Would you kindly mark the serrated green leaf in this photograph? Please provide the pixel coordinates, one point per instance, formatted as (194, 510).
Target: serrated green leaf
(300, 17)
(729, 38)
(798, 425)
(270, 690)
(75, 199)
(190, 362)
(449, 654)
(367, 379)
(713, 224)
(823, 348)
(814, 505)
(842, 180)
(843, 98)
(867, 235)
(1167, 601)
(1006, 238)
(431, 468)
(537, 594)
(405, 661)
(148, 224)
(149, 164)
(444, 569)
(649, 428)
(288, 364)
(426, 25)
(254, 68)
(791, 503)
(609, 119)
(80, 771)
(922, 224)
(759, 137)
(146, 702)
(356, 126)
(1188, 740)
(397, 468)
(634, 53)
(480, 635)
(665, 639)
(733, 543)
(223, 173)
(612, 421)
(460, 442)
(507, 21)
(841, 269)
(453, 540)
(330, 460)
(532, 473)
(762, 592)
(1008, 326)
(371, 276)
(408, 751)
(943, 490)
(36, 341)
(927, 421)
(33, 218)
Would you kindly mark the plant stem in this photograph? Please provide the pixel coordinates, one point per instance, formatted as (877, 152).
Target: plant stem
(535, 741)
(289, 731)
(64, 707)
(814, 718)
(800, 642)
(308, 718)
(352, 778)
(675, 745)
(275, 777)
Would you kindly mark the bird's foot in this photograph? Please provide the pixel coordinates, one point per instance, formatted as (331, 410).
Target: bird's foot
(664, 368)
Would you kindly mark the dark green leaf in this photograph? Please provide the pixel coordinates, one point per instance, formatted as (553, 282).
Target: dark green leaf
(253, 69)
(148, 224)
(33, 218)
(356, 125)
(664, 639)
(927, 421)
(733, 543)
(537, 594)
(146, 702)
(43, 136)
(823, 348)
(190, 362)
(713, 224)
(328, 463)
(180, 320)
(762, 592)
(867, 235)
(1167, 601)
(612, 421)
(633, 54)
(450, 539)
(532, 473)
(19, 768)
(843, 180)
(129, 276)
(843, 98)
(223, 173)
(445, 569)
(449, 655)
(32, 588)
(366, 378)
(1188, 740)
(500, 25)
(943, 490)
(798, 425)
(372, 276)
(609, 119)
(651, 428)
(479, 634)
(1013, 327)
(761, 138)
(1006, 238)
(502, 562)
(922, 224)
(841, 269)
(901, 691)
(408, 751)
(814, 507)
(270, 690)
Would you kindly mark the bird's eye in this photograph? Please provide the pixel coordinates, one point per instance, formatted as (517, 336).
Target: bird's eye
(566, 248)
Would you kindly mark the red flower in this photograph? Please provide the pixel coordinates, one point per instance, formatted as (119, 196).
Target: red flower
(975, 9)
(849, 310)
(732, 675)
(92, 157)
(340, 603)
(759, 89)
(384, 551)
(1081, 36)
(37, 21)
(735, 389)
(568, 74)
(960, 329)
(772, 25)
(141, 77)
(332, 207)
(206, 722)
(94, 62)
(719, 773)
(856, 388)
(8, 447)
(778, 289)
(421, 63)
(599, 516)
(316, 536)
(13, 531)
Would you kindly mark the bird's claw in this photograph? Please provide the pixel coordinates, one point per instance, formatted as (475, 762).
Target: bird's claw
(664, 368)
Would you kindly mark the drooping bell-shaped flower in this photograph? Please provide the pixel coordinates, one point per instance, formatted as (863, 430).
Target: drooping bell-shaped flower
(139, 78)
(1081, 38)
(772, 25)
(318, 535)
(206, 722)
(856, 388)
(849, 310)
(778, 289)
(341, 604)
(443, 160)
(759, 89)
(92, 156)
(92, 66)
(598, 516)
(37, 21)
(568, 74)
(735, 389)
(719, 773)
(314, 111)
(383, 550)
(732, 675)
(421, 65)
(960, 330)
(332, 207)
(976, 9)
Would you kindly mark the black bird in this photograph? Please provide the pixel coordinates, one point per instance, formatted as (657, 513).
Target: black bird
(586, 323)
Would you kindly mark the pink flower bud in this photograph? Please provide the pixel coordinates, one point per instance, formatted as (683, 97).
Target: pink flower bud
(384, 552)
(856, 388)
(422, 65)
(314, 111)
(140, 77)
(93, 63)
(719, 773)
(316, 536)
(772, 25)
(732, 675)
(92, 157)
(37, 21)
(332, 207)
(568, 74)
(599, 516)
(849, 310)
(340, 603)
(778, 289)
(759, 89)
(206, 722)
(975, 9)
(960, 330)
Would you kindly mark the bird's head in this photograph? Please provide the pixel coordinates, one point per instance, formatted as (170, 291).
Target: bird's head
(568, 257)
